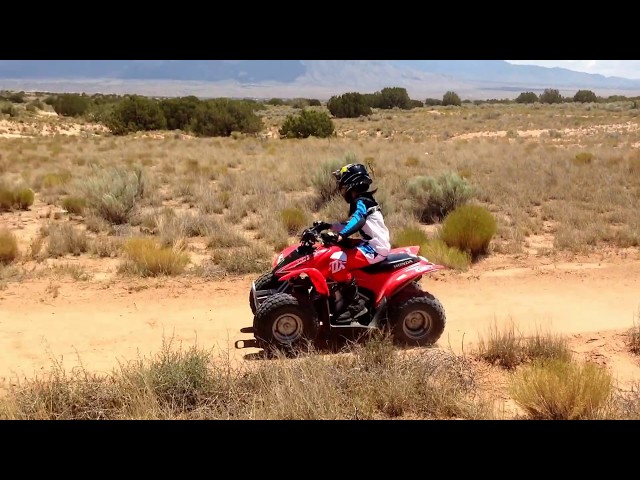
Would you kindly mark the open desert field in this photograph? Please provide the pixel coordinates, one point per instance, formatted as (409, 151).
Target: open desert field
(562, 182)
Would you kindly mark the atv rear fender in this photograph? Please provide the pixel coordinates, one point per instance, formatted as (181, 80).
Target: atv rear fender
(314, 275)
(413, 250)
(403, 277)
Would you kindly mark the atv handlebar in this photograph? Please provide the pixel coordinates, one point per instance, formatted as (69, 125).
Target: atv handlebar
(316, 234)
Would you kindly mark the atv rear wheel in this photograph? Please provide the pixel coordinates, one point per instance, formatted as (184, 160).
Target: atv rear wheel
(285, 322)
(417, 321)
(266, 281)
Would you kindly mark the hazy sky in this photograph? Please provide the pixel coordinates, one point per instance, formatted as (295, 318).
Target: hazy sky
(608, 68)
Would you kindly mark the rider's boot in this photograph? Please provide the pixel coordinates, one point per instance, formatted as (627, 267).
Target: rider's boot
(355, 305)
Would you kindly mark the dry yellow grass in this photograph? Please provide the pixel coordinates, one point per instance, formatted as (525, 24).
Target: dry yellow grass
(220, 200)
(525, 175)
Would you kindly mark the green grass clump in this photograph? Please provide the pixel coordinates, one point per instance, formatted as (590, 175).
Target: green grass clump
(562, 390)
(113, 193)
(583, 158)
(469, 228)
(74, 205)
(509, 348)
(23, 198)
(408, 237)
(20, 198)
(434, 197)
(144, 257)
(293, 219)
(8, 247)
(255, 259)
(437, 251)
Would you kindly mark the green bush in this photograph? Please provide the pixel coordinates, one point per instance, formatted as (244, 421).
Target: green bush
(308, 123)
(393, 97)
(23, 198)
(9, 109)
(469, 228)
(432, 102)
(551, 95)
(221, 116)
(433, 198)
(71, 104)
(17, 97)
(527, 97)
(8, 247)
(349, 105)
(113, 193)
(299, 103)
(179, 112)
(11, 198)
(451, 98)
(136, 113)
(585, 96)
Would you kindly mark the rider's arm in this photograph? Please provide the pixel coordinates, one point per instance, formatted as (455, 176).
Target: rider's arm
(336, 227)
(357, 220)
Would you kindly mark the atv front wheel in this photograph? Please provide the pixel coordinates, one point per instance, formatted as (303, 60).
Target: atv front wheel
(285, 322)
(417, 321)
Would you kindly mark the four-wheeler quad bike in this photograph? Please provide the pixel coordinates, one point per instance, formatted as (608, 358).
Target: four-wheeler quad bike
(297, 301)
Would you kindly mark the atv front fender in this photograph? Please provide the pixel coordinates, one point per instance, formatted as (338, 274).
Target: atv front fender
(404, 276)
(314, 275)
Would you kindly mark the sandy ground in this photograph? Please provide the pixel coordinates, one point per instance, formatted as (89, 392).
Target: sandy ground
(102, 322)
(106, 320)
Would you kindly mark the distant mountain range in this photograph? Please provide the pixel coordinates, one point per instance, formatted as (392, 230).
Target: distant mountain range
(321, 79)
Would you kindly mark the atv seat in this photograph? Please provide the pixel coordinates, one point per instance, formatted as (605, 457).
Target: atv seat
(392, 262)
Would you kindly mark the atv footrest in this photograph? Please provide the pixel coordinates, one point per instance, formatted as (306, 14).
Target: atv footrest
(350, 325)
(250, 343)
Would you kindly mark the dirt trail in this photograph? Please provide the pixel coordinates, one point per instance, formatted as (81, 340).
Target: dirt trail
(103, 323)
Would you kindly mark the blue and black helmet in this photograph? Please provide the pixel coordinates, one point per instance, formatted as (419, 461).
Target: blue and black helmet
(353, 176)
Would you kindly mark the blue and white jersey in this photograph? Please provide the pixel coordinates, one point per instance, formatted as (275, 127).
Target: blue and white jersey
(366, 219)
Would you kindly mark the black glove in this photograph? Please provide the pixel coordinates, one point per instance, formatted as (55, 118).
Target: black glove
(329, 237)
(319, 226)
(308, 235)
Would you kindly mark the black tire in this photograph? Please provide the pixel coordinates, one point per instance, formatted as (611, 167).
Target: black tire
(285, 323)
(417, 321)
(265, 281)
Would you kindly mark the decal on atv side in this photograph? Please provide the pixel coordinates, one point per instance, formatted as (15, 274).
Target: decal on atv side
(339, 261)
(417, 268)
(402, 264)
(292, 265)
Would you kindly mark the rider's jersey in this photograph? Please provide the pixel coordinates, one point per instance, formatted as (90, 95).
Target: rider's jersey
(366, 219)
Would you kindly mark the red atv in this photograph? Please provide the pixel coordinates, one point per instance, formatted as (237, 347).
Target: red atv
(296, 301)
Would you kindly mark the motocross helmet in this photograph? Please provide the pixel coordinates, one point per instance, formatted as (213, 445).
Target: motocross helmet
(352, 177)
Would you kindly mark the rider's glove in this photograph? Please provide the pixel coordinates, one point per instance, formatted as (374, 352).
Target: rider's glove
(319, 226)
